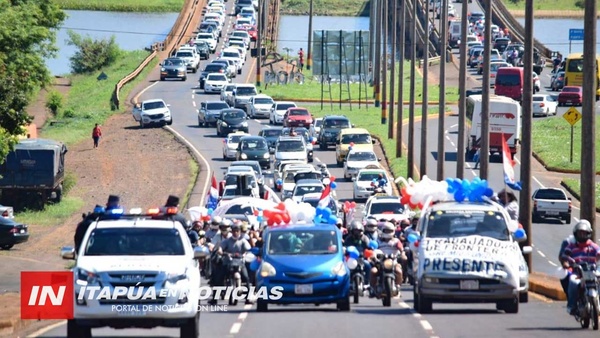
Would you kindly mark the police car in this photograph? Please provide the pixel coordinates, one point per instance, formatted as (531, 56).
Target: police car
(469, 253)
(147, 255)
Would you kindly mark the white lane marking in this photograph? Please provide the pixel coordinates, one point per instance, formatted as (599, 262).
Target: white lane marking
(43, 330)
(404, 305)
(416, 315)
(193, 102)
(426, 326)
(317, 159)
(235, 328)
(257, 121)
(552, 263)
(247, 306)
(144, 90)
(243, 316)
(541, 254)
(538, 181)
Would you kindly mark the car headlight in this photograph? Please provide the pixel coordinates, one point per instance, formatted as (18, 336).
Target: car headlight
(266, 155)
(244, 156)
(267, 270)
(163, 69)
(339, 269)
(431, 280)
(176, 277)
(388, 264)
(224, 124)
(244, 124)
(86, 276)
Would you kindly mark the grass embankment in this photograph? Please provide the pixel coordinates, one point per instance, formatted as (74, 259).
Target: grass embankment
(367, 117)
(326, 7)
(122, 5)
(547, 5)
(87, 103)
(552, 143)
(574, 184)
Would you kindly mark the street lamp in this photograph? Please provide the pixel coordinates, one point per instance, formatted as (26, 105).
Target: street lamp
(309, 49)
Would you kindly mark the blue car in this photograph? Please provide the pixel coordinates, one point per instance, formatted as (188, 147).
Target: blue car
(307, 262)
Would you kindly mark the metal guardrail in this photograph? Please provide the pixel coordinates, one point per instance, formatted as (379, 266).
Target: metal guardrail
(430, 61)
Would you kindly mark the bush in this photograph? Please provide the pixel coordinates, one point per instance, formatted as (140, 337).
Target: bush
(69, 113)
(92, 55)
(54, 102)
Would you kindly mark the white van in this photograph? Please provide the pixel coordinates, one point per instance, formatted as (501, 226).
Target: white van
(454, 33)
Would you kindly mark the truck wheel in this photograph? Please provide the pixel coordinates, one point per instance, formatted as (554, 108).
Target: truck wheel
(77, 331)
(58, 192)
(567, 219)
(191, 329)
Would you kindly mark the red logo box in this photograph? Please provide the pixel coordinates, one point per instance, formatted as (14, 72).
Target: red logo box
(47, 295)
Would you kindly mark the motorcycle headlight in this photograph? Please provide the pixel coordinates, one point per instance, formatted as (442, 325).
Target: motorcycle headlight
(86, 276)
(244, 156)
(267, 270)
(266, 155)
(244, 124)
(339, 269)
(388, 264)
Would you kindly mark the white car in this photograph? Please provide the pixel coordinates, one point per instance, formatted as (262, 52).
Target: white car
(357, 160)
(239, 39)
(362, 186)
(289, 182)
(231, 143)
(191, 58)
(308, 186)
(226, 92)
(233, 54)
(127, 251)
(243, 21)
(315, 129)
(544, 104)
(241, 34)
(152, 112)
(215, 17)
(386, 207)
(494, 66)
(278, 111)
(208, 38)
(215, 82)
(260, 106)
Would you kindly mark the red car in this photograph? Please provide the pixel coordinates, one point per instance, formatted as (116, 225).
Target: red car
(251, 29)
(297, 117)
(570, 95)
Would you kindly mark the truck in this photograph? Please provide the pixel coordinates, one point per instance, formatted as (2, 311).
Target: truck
(505, 122)
(454, 33)
(33, 173)
(551, 202)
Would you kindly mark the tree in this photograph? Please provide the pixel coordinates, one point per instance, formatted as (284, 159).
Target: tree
(91, 54)
(27, 37)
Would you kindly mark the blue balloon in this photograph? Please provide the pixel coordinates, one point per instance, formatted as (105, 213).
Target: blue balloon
(520, 233)
(332, 219)
(412, 237)
(254, 265)
(318, 219)
(260, 218)
(320, 210)
(210, 211)
(333, 185)
(373, 245)
(352, 252)
(459, 196)
(489, 192)
(279, 182)
(326, 213)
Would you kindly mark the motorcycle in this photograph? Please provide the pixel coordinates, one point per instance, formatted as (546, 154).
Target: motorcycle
(233, 278)
(386, 279)
(357, 277)
(588, 300)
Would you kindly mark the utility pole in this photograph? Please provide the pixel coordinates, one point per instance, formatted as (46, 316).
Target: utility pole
(394, 10)
(484, 153)
(309, 49)
(384, 27)
(402, 45)
(411, 109)
(527, 109)
(261, 18)
(441, 158)
(372, 18)
(425, 94)
(377, 68)
(462, 96)
(588, 125)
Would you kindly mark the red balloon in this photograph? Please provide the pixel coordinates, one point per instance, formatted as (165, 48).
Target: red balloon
(281, 206)
(352, 144)
(270, 221)
(286, 218)
(277, 219)
(267, 213)
(331, 178)
(405, 199)
(255, 212)
(353, 205)
(368, 253)
(347, 205)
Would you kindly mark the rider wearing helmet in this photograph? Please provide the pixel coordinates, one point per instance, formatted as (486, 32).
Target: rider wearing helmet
(214, 227)
(216, 258)
(564, 282)
(360, 241)
(371, 229)
(235, 246)
(583, 250)
(389, 245)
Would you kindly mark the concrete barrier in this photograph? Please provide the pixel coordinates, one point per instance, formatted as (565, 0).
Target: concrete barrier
(546, 285)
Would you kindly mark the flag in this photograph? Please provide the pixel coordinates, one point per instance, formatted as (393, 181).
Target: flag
(325, 196)
(213, 194)
(508, 165)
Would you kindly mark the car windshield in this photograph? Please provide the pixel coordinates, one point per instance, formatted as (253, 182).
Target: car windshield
(356, 139)
(184, 55)
(229, 88)
(255, 144)
(213, 68)
(508, 80)
(296, 112)
(302, 190)
(134, 242)
(216, 105)
(263, 100)
(231, 55)
(445, 224)
(238, 209)
(288, 146)
(174, 62)
(386, 208)
(154, 105)
(271, 132)
(234, 115)
(318, 123)
(570, 90)
(247, 91)
(494, 66)
(216, 77)
(235, 138)
(368, 176)
(550, 194)
(303, 242)
(337, 123)
(232, 179)
(299, 131)
(204, 36)
(240, 34)
(309, 175)
(362, 156)
(284, 106)
(255, 166)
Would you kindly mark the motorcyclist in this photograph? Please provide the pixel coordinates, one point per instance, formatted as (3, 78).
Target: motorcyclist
(564, 282)
(113, 202)
(235, 246)
(583, 250)
(371, 229)
(379, 184)
(216, 259)
(214, 227)
(390, 245)
(224, 232)
(360, 241)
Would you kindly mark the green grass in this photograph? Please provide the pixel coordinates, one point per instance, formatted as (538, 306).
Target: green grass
(326, 7)
(575, 186)
(122, 5)
(52, 214)
(552, 5)
(195, 169)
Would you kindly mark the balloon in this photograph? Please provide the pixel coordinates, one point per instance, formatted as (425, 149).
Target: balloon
(333, 185)
(353, 205)
(373, 245)
(352, 263)
(286, 218)
(352, 144)
(249, 257)
(352, 252)
(279, 181)
(280, 206)
(368, 253)
(333, 219)
(254, 265)
(318, 219)
(459, 196)
(210, 211)
(260, 218)
(332, 178)
(255, 212)
(326, 213)
(277, 219)
(412, 237)
(519, 233)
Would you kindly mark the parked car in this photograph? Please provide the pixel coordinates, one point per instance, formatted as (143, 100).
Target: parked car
(232, 120)
(570, 95)
(12, 233)
(151, 112)
(544, 104)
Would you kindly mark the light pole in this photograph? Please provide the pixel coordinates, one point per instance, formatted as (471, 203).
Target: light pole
(425, 103)
(261, 17)
(309, 49)
(442, 106)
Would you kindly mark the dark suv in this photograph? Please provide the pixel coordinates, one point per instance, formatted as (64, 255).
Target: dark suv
(241, 4)
(209, 69)
(332, 125)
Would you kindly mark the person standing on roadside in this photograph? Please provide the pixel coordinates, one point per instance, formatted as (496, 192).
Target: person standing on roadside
(96, 134)
(301, 59)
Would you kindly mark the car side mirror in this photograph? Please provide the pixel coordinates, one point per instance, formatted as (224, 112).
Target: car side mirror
(67, 252)
(527, 250)
(353, 126)
(168, 105)
(379, 159)
(200, 252)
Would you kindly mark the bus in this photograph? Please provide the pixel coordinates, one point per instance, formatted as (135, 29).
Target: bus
(574, 71)
(505, 121)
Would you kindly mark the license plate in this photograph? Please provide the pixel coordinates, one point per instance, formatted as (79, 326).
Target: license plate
(551, 212)
(300, 124)
(234, 130)
(303, 289)
(469, 285)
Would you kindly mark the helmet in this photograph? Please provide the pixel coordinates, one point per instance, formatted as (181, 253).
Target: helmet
(198, 224)
(371, 225)
(388, 231)
(225, 225)
(339, 222)
(357, 229)
(244, 227)
(582, 231)
(216, 221)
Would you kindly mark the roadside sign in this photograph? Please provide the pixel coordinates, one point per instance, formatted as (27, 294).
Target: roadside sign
(572, 116)
(576, 34)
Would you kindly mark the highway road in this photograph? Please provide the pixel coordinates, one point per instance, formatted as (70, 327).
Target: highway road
(538, 318)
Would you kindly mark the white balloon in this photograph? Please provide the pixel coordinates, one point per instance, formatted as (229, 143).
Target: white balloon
(249, 257)
(351, 263)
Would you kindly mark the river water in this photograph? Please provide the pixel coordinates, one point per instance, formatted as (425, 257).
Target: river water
(554, 34)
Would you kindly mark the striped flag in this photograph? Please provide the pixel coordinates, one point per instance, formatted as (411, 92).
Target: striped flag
(508, 165)
(213, 193)
(325, 196)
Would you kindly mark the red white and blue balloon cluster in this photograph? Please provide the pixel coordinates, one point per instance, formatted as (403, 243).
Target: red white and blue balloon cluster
(415, 194)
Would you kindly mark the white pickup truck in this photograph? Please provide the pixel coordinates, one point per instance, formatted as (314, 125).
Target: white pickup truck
(551, 202)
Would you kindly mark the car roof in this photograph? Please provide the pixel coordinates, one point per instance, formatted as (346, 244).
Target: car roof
(240, 168)
(343, 117)
(137, 223)
(262, 96)
(252, 137)
(309, 181)
(243, 163)
(290, 138)
(384, 199)
(153, 100)
(284, 102)
(236, 133)
(466, 206)
(246, 85)
(354, 131)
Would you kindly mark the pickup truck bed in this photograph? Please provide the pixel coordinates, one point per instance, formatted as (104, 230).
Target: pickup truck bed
(551, 203)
